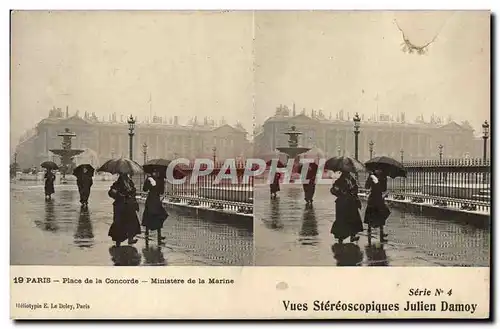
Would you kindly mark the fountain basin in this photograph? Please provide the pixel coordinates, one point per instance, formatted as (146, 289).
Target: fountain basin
(292, 152)
(70, 153)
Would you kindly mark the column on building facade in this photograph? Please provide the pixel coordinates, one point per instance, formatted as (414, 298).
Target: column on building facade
(157, 147)
(112, 141)
(346, 145)
(418, 143)
(394, 144)
(109, 143)
(166, 142)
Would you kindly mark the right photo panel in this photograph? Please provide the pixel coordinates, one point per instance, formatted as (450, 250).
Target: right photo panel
(375, 131)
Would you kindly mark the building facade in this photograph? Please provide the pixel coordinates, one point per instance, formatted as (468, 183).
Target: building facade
(418, 141)
(103, 140)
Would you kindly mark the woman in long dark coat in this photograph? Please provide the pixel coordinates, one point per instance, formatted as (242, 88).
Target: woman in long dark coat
(310, 187)
(125, 222)
(84, 182)
(347, 218)
(274, 187)
(376, 212)
(154, 214)
(49, 184)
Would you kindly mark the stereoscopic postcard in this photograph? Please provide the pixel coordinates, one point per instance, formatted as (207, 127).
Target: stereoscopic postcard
(250, 165)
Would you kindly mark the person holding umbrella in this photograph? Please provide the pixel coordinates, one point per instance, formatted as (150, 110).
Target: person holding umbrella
(125, 224)
(310, 187)
(154, 213)
(347, 204)
(49, 184)
(274, 187)
(49, 178)
(84, 182)
(377, 211)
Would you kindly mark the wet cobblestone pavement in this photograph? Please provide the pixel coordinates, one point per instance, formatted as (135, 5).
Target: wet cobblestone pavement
(288, 233)
(58, 232)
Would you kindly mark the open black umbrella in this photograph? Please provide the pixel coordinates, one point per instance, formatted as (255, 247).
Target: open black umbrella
(49, 165)
(121, 166)
(79, 170)
(344, 163)
(161, 166)
(387, 165)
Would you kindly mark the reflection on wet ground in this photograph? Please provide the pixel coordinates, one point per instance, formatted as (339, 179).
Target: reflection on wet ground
(60, 232)
(287, 232)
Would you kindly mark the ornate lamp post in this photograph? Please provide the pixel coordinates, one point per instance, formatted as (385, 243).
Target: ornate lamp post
(112, 154)
(370, 145)
(357, 124)
(131, 127)
(486, 135)
(145, 152)
(440, 152)
(402, 155)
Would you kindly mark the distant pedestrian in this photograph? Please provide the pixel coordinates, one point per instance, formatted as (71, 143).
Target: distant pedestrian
(376, 212)
(310, 187)
(125, 224)
(154, 213)
(347, 218)
(49, 184)
(274, 187)
(84, 182)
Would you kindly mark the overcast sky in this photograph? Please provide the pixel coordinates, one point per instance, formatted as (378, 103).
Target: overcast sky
(342, 60)
(192, 64)
(202, 64)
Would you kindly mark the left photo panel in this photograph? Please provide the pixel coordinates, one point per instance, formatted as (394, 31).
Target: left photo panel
(129, 137)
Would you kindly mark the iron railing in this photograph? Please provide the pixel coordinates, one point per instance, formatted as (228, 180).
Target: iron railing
(458, 183)
(212, 192)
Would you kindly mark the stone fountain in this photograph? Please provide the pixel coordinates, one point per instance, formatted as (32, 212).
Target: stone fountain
(66, 154)
(293, 148)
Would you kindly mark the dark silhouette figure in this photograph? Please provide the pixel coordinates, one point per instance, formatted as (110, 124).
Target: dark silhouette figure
(376, 212)
(125, 256)
(347, 254)
(309, 229)
(376, 255)
(125, 222)
(154, 213)
(347, 218)
(310, 186)
(84, 235)
(84, 182)
(49, 184)
(274, 187)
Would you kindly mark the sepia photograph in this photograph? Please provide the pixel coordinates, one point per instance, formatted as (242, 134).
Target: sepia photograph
(101, 103)
(391, 113)
(250, 151)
